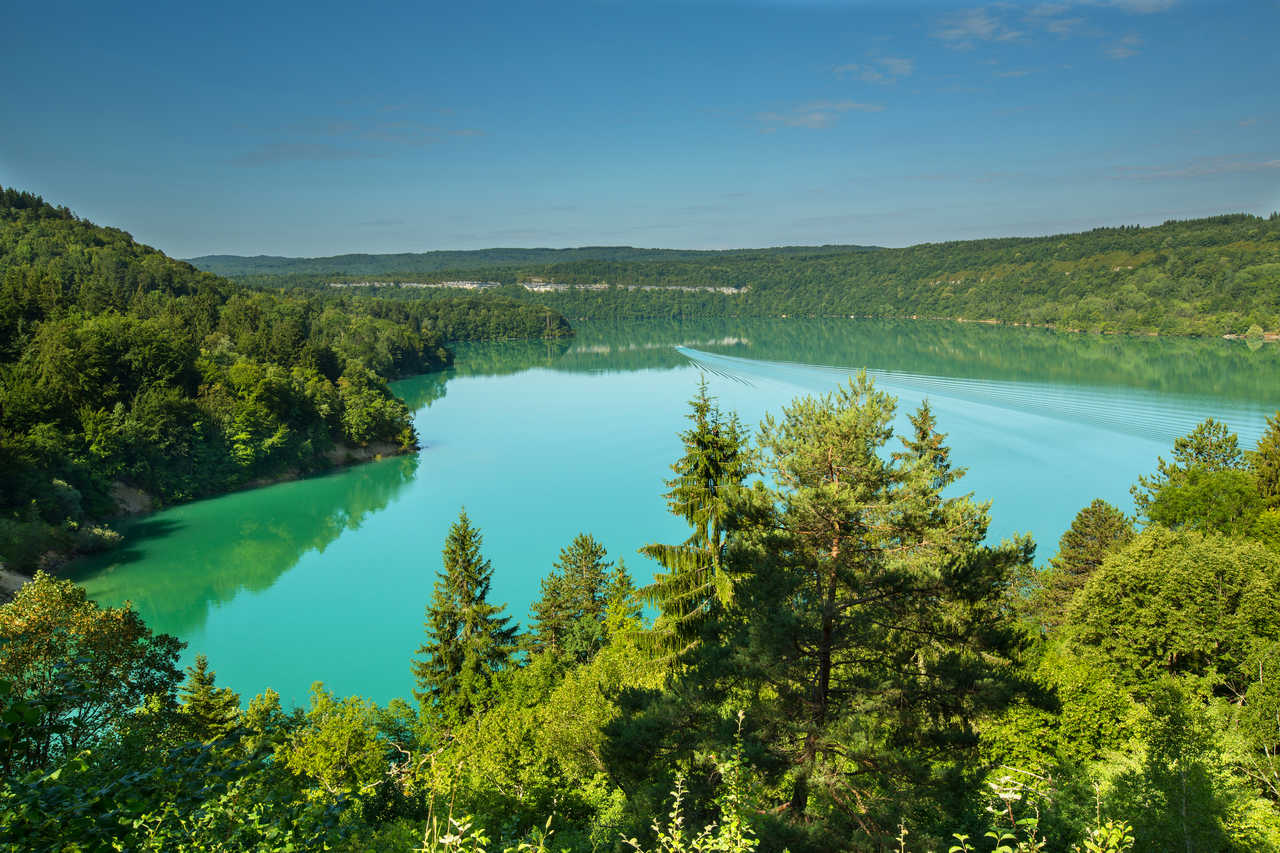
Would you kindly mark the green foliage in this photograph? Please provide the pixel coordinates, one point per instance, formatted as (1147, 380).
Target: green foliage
(893, 692)
(337, 747)
(569, 617)
(80, 666)
(1225, 501)
(122, 367)
(469, 644)
(1209, 276)
(211, 712)
(1111, 837)
(1179, 603)
(1096, 531)
(1176, 787)
(1265, 463)
(715, 463)
(867, 630)
(1209, 448)
(188, 798)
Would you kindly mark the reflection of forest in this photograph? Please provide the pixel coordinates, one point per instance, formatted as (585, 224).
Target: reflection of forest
(203, 554)
(1228, 369)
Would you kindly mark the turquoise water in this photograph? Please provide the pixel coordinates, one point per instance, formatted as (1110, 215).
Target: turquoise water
(327, 578)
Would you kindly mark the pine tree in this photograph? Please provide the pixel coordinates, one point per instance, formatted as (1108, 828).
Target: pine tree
(715, 462)
(868, 627)
(210, 711)
(468, 641)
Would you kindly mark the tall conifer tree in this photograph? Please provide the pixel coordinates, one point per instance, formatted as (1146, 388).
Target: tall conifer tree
(716, 460)
(468, 641)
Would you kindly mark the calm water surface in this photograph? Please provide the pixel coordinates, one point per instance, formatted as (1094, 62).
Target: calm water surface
(326, 579)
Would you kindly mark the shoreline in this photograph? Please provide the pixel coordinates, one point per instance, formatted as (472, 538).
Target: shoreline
(1265, 337)
(137, 504)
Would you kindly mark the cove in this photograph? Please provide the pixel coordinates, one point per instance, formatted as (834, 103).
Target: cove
(326, 578)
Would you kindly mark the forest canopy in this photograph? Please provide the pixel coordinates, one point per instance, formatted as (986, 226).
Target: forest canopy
(1213, 276)
(125, 371)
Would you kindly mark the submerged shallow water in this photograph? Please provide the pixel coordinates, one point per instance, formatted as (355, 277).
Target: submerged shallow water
(327, 578)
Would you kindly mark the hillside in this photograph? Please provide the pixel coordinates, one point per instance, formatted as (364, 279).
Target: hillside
(1213, 276)
(411, 263)
(131, 378)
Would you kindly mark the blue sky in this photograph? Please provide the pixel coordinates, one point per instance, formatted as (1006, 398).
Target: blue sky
(320, 128)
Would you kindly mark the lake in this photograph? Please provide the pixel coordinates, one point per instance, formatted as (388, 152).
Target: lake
(327, 578)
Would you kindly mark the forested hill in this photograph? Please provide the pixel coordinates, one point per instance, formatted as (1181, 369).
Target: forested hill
(416, 263)
(124, 372)
(1211, 276)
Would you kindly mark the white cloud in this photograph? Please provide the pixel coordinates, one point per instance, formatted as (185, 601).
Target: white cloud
(898, 66)
(885, 69)
(1140, 7)
(1008, 21)
(1198, 168)
(1125, 47)
(815, 116)
(1044, 10)
(1064, 26)
(961, 29)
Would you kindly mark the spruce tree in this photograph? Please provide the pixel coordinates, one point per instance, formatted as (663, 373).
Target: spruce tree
(716, 461)
(1097, 530)
(210, 711)
(569, 616)
(468, 641)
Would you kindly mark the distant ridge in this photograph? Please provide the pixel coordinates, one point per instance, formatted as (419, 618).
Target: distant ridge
(439, 261)
(1217, 275)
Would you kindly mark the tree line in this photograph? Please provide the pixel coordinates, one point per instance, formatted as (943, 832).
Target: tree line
(125, 371)
(1210, 276)
(834, 658)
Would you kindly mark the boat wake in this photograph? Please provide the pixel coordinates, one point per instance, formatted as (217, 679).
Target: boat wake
(1157, 416)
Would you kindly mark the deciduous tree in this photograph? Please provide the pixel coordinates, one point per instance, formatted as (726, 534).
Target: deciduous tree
(83, 666)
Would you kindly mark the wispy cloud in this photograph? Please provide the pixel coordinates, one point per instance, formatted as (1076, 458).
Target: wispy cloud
(1198, 168)
(1021, 72)
(1248, 122)
(1007, 21)
(1125, 47)
(815, 116)
(1064, 27)
(367, 136)
(961, 30)
(1140, 7)
(287, 152)
(898, 66)
(1044, 10)
(887, 69)
(883, 69)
